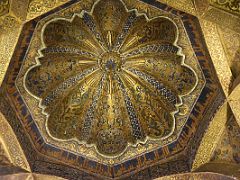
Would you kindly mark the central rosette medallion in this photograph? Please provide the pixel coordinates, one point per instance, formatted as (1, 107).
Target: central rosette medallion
(110, 62)
(111, 78)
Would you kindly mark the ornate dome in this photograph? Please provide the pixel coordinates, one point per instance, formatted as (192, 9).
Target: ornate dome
(111, 77)
(119, 89)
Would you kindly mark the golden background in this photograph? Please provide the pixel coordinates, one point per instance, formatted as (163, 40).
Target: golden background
(220, 22)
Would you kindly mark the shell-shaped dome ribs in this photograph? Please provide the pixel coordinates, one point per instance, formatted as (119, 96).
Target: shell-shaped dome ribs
(110, 77)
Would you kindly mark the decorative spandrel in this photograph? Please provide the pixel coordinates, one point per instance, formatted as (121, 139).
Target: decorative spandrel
(232, 6)
(110, 78)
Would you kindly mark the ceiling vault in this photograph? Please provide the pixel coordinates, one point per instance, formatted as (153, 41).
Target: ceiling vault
(119, 89)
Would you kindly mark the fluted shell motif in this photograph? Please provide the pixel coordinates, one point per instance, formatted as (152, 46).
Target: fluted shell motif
(110, 77)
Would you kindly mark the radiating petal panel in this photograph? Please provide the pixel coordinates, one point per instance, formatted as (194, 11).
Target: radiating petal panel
(55, 69)
(165, 66)
(67, 114)
(151, 107)
(111, 131)
(156, 31)
(110, 16)
(72, 34)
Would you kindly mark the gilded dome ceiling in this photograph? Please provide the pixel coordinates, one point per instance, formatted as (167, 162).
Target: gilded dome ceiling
(110, 82)
(110, 78)
(111, 89)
